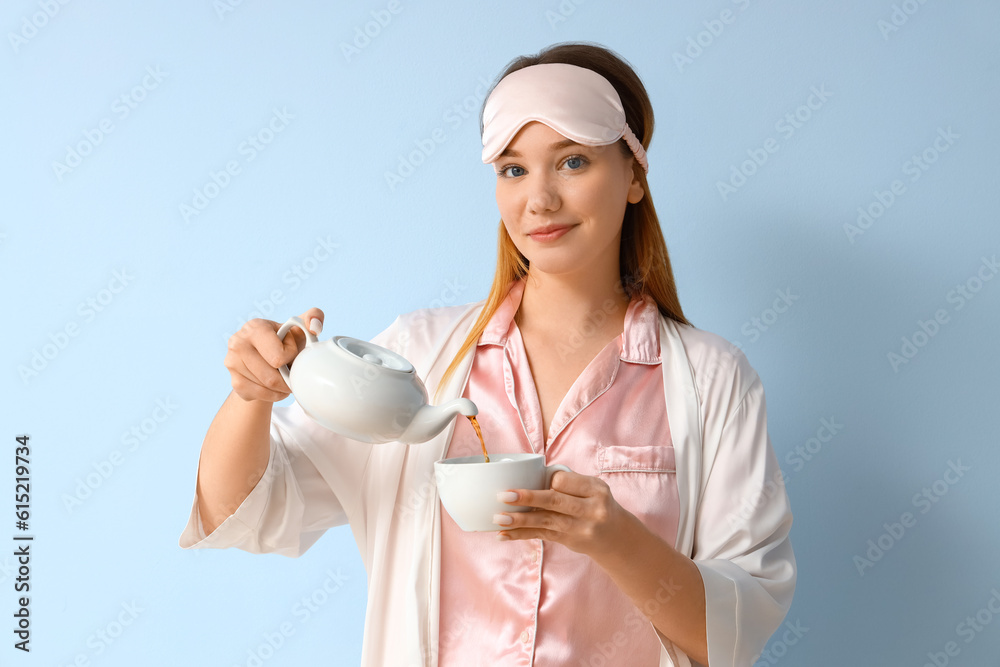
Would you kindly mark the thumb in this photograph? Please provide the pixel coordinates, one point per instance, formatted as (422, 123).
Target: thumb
(314, 320)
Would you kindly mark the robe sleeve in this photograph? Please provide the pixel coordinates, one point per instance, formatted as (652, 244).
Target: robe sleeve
(311, 483)
(742, 546)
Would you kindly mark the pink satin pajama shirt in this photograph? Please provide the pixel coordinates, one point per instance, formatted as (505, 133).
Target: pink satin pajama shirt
(535, 602)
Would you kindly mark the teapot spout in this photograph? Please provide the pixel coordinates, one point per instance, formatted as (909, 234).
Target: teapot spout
(432, 419)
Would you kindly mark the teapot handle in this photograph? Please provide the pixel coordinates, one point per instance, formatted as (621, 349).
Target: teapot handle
(285, 328)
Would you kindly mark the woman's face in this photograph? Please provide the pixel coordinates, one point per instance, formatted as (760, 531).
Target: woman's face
(548, 182)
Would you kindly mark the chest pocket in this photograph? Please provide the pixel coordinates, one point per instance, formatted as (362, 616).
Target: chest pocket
(643, 480)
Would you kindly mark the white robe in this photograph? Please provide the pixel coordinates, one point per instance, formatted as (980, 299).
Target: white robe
(734, 511)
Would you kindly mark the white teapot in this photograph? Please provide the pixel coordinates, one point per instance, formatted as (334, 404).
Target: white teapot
(365, 391)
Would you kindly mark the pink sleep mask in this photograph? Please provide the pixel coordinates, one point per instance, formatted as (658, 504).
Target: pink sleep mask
(576, 102)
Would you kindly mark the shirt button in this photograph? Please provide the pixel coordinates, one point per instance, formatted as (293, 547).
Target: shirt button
(534, 556)
(524, 637)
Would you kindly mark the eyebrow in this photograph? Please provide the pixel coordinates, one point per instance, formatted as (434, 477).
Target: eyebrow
(509, 152)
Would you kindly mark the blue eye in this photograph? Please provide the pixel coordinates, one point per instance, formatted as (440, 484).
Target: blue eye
(503, 172)
(576, 158)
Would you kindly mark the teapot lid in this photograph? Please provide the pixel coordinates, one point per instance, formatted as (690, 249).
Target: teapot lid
(374, 354)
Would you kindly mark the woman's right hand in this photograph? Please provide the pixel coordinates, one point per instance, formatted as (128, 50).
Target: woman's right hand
(255, 354)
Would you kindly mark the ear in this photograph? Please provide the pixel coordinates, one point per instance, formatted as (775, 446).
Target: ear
(635, 191)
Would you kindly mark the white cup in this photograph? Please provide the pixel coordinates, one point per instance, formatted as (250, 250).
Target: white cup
(468, 486)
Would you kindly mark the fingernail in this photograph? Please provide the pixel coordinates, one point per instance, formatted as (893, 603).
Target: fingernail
(503, 519)
(507, 496)
(502, 537)
(316, 326)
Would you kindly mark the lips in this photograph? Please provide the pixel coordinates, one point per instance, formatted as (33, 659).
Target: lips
(549, 232)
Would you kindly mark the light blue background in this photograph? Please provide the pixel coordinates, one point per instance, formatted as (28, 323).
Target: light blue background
(431, 241)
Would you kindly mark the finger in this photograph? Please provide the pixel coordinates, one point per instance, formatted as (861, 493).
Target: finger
(554, 501)
(262, 337)
(538, 519)
(245, 384)
(529, 534)
(316, 327)
(575, 484)
(244, 361)
(257, 346)
(264, 374)
(248, 387)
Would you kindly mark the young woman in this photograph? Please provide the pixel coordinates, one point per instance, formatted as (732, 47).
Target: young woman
(667, 544)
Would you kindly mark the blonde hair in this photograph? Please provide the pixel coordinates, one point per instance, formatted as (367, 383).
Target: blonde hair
(644, 263)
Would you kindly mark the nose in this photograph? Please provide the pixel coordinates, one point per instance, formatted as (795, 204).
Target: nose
(542, 193)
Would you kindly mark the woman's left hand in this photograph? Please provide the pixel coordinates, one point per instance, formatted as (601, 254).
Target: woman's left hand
(578, 511)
